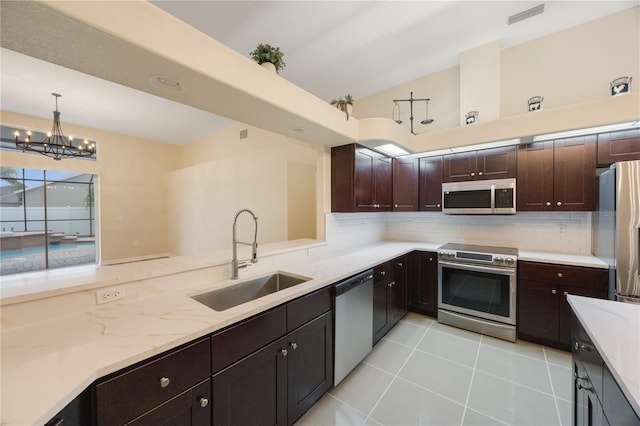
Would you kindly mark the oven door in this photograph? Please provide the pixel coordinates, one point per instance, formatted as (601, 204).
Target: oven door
(481, 291)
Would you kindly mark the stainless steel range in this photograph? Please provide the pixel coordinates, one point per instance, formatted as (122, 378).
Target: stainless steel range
(477, 289)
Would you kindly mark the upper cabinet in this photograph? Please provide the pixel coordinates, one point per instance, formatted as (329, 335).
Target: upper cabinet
(360, 180)
(405, 184)
(430, 178)
(493, 163)
(558, 175)
(618, 146)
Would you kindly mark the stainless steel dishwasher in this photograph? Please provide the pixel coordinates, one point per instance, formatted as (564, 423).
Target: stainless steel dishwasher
(353, 326)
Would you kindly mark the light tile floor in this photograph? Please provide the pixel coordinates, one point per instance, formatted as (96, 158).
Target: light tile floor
(426, 373)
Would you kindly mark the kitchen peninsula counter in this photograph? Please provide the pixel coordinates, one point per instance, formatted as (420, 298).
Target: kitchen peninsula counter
(45, 365)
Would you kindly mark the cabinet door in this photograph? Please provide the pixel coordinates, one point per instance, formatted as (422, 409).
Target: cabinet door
(496, 163)
(310, 365)
(192, 407)
(405, 184)
(383, 189)
(564, 310)
(537, 310)
(424, 292)
(380, 311)
(253, 391)
(575, 184)
(618, 146)
(365, 160)
(534, 191)
(343, 178)
(398, 290)
(459, 167)
(430, 172)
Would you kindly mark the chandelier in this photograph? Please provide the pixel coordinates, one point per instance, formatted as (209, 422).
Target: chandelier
(56, 145)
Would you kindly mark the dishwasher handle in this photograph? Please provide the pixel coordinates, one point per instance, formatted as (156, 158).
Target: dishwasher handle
(353, 282)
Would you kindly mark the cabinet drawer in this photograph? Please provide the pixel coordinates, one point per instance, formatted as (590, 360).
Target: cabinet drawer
(240, 340)
(563, 275)
(136, 391)
(306, 308)
(382, 273)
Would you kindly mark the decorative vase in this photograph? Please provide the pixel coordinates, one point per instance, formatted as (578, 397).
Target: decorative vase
(269, 66)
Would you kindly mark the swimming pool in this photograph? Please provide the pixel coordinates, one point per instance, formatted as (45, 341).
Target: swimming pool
(12, 254)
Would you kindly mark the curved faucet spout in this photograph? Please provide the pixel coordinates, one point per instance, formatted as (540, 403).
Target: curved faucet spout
(254, 246)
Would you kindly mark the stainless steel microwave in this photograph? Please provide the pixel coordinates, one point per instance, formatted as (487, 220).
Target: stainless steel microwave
(497, 196)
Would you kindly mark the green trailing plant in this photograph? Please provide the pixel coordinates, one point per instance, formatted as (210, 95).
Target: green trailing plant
(342, 103)
(267, 53)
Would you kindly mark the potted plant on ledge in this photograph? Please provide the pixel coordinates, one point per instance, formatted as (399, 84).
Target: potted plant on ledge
(269, 57)
(344, 104)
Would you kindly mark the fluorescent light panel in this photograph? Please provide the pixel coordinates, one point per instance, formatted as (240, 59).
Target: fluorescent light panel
(587, 131)
(391, 150)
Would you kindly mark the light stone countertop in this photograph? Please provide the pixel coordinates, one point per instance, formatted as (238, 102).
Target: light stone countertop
(562, 259)
(614, 328)
(46, 365)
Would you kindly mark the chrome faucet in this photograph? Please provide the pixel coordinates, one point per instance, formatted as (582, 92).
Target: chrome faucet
(254, 246)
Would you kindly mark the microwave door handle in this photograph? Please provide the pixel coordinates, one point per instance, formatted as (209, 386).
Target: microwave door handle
(493, 199)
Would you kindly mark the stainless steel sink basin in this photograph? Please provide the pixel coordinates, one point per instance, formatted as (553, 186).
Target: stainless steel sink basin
(237, 294)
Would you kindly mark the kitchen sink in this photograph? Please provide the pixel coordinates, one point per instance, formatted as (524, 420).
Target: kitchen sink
(237, 294)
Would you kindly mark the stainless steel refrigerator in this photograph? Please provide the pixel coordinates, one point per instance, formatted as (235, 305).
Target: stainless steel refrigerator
(616, 229)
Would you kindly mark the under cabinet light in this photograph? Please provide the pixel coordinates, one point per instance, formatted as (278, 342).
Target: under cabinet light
(466, 148)
(588, 131)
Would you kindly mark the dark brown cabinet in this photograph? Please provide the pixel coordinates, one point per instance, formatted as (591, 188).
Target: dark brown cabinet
(423, 284)
(173, 376)
(274, 384)
(618, 146)
(492, 163)
(557, 175)
(405, 185)
(544, 315)
(597, 397)
(361, 180)
(389, 295)
(430, 186)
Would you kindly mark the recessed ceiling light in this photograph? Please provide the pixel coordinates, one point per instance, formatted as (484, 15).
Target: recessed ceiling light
(298, 131)
(165, 82)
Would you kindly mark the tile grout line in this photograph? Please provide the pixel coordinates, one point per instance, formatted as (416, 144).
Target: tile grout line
(395, 376)
(473, 374)
(553, 391)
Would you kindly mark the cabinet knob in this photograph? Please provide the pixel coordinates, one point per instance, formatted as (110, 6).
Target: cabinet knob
(548, 203)
(473, 174)
(395, 205)
(400, 264)
(164, 382)
(583, 384)
(553, 292)
(431, 259)
(284, 352)
(383, 273)
(566, 293)
(437, 205)
(203, 402)
(560, 275)
(479, 173)
(293, 345)
(559, 203)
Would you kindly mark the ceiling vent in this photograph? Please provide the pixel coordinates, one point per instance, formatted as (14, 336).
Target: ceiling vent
(529, 13)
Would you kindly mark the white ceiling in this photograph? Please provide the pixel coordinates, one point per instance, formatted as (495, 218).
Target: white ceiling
(331, 48)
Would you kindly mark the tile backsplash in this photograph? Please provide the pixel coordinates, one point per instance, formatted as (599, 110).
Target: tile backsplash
(560, 232)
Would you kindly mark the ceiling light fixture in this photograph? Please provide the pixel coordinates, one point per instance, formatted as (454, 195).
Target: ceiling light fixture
(56, 145)
(411, 100)
(165, 82)
(391, 150)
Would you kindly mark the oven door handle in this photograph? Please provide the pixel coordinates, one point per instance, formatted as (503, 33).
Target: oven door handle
(477, 268)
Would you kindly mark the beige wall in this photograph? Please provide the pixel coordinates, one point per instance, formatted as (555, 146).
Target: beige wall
(569, 67)
(131, 185)
(272, 175)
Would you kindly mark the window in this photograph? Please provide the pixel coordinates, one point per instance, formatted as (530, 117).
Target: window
(47, 219)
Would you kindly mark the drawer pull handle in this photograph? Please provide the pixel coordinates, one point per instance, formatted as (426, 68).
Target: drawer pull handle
(164, 382)
(294, 345)
(560, 275)
(203, 402)
(284, 352)
(584, 384)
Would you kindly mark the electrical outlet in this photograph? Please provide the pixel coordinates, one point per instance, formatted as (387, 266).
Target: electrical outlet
(104, 295)
(311, 252)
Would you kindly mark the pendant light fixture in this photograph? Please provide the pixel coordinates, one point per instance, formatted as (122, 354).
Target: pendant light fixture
(411, 100)
(56, 145)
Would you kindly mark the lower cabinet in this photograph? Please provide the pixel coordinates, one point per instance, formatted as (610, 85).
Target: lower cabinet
(389, 295)
(544, 315)
(597, 397)
(279, 382)
(172, 387)
(423, 283)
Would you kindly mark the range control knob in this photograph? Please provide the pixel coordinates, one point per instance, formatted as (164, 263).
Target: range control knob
(498, 259)
(509, 261)
(451, 255)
